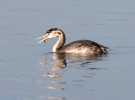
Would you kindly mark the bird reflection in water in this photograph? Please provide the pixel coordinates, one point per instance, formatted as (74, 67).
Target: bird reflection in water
(60, 62)
(56, 67)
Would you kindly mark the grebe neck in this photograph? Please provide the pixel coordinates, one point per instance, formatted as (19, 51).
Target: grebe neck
(60, 43)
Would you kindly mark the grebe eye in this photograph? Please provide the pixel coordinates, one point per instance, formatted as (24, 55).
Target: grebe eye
(59, 33)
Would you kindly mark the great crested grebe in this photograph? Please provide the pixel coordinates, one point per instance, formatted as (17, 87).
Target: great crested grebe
(79, 47)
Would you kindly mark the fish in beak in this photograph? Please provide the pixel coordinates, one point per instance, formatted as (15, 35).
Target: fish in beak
(45, 38)
(49, 35)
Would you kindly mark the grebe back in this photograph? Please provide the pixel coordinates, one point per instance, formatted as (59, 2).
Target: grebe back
(79, 47)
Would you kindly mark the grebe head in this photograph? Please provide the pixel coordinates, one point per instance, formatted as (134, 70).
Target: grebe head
(51, 33)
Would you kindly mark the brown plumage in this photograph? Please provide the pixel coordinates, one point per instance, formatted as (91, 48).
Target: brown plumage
(79, 47)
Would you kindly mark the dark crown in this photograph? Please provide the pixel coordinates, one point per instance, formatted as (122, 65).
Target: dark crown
(52, 29)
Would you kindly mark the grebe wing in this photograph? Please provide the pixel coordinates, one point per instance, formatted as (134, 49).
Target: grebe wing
(85, 44)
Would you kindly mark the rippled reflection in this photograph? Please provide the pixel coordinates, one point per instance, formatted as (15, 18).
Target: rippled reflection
(55, 65)
(52, 75)
(75, 61)
(52, 98)
(60, 60)
(83, 57)
(54, 88)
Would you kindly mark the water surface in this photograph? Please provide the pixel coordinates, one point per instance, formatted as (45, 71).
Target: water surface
(30, 71)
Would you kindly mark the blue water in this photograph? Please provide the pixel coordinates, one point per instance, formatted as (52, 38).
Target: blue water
(30, 71)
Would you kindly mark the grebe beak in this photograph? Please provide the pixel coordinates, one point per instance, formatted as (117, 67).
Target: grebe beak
(45, 38)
